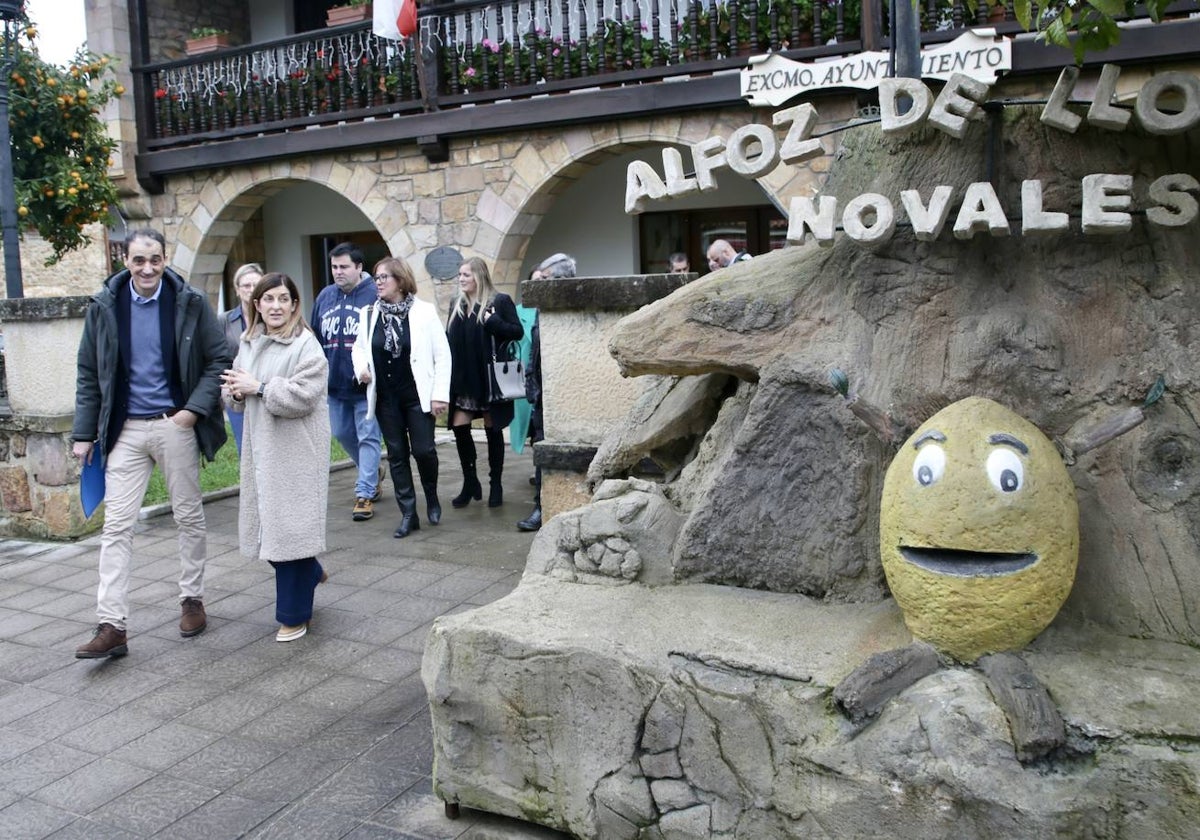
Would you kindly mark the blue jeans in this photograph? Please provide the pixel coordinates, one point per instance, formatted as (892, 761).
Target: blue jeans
(361, 440)
(295, 583)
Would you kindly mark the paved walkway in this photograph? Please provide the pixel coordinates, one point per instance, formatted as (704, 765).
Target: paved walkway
(231, 734)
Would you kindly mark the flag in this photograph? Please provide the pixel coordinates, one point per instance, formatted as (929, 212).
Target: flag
(395, 19)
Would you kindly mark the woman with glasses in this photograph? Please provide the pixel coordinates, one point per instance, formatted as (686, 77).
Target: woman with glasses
(280, 381)
(234, 321)
(401, 355)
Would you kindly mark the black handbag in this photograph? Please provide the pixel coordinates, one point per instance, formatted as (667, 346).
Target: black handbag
(508, 376)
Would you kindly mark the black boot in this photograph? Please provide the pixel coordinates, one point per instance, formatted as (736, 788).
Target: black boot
(433, 508)
(466, 457)
(495, 442)
(533, 522)
(427, 468)
(406, 498)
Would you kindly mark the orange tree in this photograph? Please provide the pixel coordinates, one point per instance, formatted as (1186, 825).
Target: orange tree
(61, 148)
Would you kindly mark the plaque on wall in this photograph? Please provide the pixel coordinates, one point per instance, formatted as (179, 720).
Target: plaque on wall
(442, 262)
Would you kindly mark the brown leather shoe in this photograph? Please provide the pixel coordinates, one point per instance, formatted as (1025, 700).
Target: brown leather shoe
(106, 641)
(193, 620)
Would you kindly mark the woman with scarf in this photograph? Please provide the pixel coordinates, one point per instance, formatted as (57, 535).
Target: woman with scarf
(481, 318)
(401, 355)
(279, 381)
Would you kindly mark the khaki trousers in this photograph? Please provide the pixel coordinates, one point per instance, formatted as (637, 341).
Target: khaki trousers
(142, 444)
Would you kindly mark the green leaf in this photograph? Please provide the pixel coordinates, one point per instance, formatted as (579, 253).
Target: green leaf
(1021, 8)
(1156, 391)
(1111, 8)
(1156, 8)
(839, 381)
(1056, 33)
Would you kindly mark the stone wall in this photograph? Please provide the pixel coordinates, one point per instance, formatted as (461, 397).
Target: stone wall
(39, 479)
(79, 272)
(484, 201)
(584, 394)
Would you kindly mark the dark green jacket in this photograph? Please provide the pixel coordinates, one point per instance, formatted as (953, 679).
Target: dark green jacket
(200, 349)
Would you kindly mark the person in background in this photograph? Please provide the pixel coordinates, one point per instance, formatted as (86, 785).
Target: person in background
(533, 393)
(234, 321)
(678, 263)
(147, 393)
(402, 356)
(557, 266)
(279, 382)
(721, 255)
(479, 316)
(335, 321)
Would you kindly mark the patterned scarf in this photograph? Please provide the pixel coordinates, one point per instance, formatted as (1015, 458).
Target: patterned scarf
(394, 315)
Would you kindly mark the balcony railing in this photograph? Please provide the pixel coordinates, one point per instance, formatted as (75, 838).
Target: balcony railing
(475, 52)
(480, 51)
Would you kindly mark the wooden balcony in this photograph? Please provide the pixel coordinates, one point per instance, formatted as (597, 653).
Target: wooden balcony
(520, 59)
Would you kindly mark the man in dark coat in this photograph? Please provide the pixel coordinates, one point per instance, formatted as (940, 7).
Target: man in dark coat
(148, 392)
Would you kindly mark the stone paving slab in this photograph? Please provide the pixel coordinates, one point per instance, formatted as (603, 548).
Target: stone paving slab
(231, 734)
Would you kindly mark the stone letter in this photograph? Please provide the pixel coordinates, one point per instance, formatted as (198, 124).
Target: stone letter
(763, 162)
(708, 156)
(957, 103)
(927, 222)
(796, 146)
(677, 183)
(641, 183)
(891, 120)
(1055, 114)
(1157, 122)
(880, 230)
(804, 214)
(980, 211)
(1033, 218)
(1102, 113)
(1104, 197)
(1173, 193)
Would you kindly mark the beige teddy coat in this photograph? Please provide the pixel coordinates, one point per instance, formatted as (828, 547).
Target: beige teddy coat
(285, 448)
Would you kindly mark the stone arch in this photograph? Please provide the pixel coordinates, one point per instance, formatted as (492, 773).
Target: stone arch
(226, 200)
(543, 168)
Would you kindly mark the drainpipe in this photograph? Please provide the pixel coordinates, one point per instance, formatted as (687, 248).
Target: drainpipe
(906, 40)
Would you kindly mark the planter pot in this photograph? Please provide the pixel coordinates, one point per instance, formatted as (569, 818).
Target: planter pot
(207, 44)
(339, 15)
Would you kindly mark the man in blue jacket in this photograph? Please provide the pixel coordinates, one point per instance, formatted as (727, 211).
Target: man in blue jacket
(335, 321)
(147, 392)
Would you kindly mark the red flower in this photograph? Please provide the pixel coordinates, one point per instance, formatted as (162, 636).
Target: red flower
(160, 93)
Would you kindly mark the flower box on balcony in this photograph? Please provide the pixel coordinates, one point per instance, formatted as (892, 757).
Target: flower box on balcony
(207, 43)
(339, 15)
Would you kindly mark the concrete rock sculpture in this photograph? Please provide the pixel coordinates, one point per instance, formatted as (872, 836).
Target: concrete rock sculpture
(690, 693)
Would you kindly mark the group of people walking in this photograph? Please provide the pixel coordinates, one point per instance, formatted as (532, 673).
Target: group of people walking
(373, 365)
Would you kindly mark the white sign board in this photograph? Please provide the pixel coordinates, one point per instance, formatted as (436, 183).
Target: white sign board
(771, 80)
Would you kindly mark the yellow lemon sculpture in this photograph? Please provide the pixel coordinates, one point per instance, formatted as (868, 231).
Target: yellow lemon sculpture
(979, 530)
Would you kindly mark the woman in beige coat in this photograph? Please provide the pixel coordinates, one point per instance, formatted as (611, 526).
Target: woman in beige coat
(279, 381)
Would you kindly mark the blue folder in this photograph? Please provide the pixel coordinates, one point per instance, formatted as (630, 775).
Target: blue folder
(91, 484)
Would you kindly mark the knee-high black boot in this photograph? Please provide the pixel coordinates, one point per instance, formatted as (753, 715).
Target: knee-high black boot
(495, 442)
(428, 470)
(466, 456)
(406, 499)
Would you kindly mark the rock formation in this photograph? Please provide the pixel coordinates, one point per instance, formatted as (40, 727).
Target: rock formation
(687, 691)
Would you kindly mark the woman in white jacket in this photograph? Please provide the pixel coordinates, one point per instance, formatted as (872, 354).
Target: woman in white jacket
(402, 356)
(279, 380)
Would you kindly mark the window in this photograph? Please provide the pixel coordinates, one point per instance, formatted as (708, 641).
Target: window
(755, 229)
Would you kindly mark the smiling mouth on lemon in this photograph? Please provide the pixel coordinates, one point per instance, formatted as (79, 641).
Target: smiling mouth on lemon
(962, 563)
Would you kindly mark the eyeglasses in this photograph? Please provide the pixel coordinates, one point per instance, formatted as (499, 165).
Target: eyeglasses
(385, 277)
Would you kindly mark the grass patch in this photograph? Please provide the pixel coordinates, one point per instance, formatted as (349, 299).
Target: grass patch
(222, 472)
